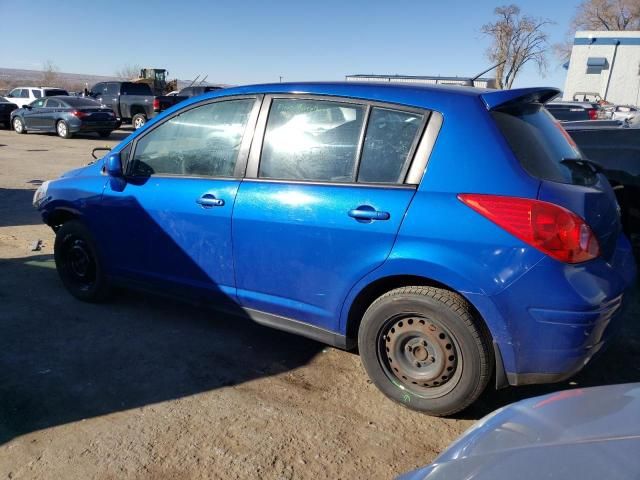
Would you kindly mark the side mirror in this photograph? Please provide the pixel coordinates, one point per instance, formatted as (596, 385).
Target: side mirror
(113, 165)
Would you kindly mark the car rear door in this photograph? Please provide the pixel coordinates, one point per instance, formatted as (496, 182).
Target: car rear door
(321, 204)
(50, 113)
(173, 214)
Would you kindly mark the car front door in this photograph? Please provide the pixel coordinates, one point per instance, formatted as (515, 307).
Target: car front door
(173, 213)
(110, 97)
(321, 204)
(33, 116)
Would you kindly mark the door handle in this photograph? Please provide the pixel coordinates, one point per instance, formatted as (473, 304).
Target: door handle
(366, 212)
(209, 200)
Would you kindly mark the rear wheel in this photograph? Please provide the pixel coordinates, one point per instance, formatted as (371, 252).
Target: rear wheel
(78, 263)
(138, 120)
(104, 134)
(62, 129)
(18, 125)
(422, 347)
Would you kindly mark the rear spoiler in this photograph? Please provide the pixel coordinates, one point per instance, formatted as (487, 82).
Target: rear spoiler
(504, 98)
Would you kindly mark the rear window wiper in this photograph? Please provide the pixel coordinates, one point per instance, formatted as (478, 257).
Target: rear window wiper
(596, 167)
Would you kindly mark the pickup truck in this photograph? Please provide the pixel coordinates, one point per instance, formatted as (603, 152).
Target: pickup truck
(132, 102)
(616, 150)
(164, 102)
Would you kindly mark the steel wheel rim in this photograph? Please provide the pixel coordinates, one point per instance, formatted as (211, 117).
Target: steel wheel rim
(79, 263)
(420, 355)
(62, 129)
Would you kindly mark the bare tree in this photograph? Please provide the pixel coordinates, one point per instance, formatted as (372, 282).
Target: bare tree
(517, 40)
(49, 73)
(608, 15)
(128, 71)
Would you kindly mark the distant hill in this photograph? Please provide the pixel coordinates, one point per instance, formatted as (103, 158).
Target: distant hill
(11, 77)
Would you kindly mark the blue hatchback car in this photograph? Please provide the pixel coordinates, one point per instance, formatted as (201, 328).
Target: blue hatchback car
(454, 235)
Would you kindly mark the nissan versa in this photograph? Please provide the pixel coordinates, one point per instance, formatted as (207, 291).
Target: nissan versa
(454, 235)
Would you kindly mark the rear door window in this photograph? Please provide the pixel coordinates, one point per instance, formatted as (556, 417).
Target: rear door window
(36, 93)
(542, 146)
(53, 103)
(313, 140)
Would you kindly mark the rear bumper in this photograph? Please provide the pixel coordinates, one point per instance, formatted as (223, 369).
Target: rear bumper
(95, 126)
(558, 317)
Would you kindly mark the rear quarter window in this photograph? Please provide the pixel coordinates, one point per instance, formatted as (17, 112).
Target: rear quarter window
(543, 148)
(136, 89)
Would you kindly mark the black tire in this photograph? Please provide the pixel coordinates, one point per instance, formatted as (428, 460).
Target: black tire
(78, 263)
(138, 120)
(105, 134)
(62, 129)
(443, 355)
(18, 125)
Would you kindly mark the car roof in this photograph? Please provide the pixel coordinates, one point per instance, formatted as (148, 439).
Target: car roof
(421, 96)
(40, 88)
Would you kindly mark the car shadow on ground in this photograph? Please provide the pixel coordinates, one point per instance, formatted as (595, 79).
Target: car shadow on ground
(62, 360)
(16, 207)
(116, 135)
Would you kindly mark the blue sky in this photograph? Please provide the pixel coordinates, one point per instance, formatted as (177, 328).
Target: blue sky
(254, 41)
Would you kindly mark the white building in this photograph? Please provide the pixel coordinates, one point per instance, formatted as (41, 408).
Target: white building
(605, 65)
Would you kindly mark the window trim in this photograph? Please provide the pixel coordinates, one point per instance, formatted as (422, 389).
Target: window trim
(253, 165)
(245, 144)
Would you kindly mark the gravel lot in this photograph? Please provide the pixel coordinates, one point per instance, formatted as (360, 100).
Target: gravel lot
(145, 387)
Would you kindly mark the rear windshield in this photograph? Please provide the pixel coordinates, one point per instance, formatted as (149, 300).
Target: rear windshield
(55, 92)
(136, 89)
(81, 102)
(543, 148)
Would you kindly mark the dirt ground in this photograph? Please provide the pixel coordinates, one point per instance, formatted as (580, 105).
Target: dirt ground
(145, 387)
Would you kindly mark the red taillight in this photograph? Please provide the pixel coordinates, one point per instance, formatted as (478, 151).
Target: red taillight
(550, 228)
(593, 114)
(156, 104)
(79, 114)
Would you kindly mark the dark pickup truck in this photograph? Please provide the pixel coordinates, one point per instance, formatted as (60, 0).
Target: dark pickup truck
(616, 150)
(132, 102)
(160, 104)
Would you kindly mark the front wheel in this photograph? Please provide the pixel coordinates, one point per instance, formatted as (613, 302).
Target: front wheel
(422, 347)
(138, 120)
(18, 125)
(62, 128)
(78, 263)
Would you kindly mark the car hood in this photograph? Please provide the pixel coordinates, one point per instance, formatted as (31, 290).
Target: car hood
(86, 168)
(592, 430)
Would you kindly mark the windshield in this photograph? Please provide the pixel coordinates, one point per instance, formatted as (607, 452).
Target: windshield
(55, 92)
(542, 146)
